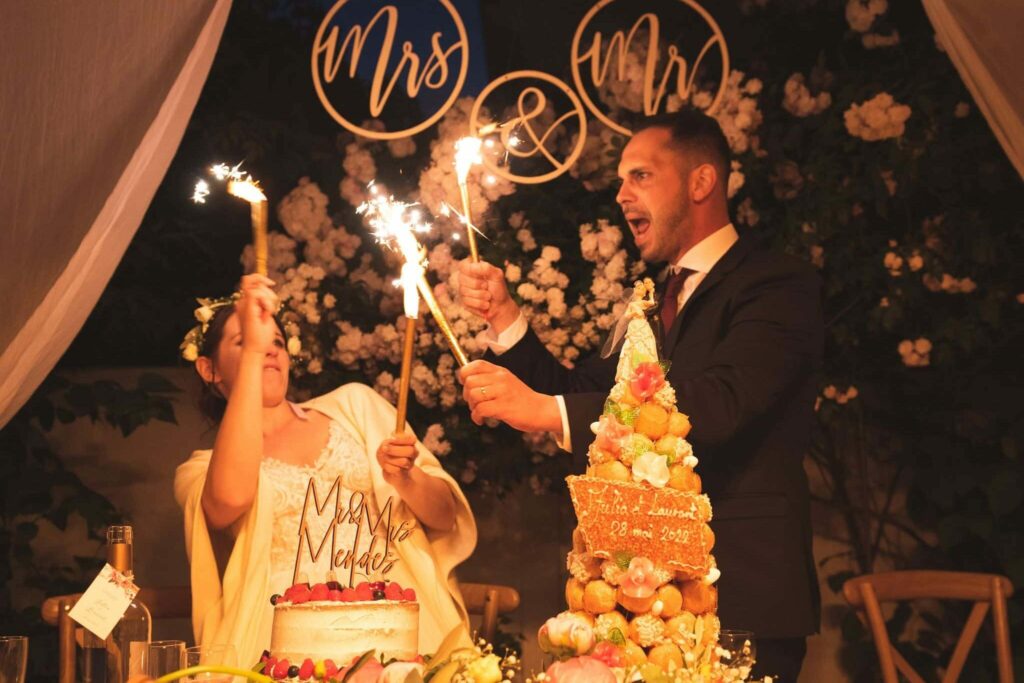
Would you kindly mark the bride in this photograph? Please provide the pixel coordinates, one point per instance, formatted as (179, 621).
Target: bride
(246, 499)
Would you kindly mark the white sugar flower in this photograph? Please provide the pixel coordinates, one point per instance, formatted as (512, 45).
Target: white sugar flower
(652, 468)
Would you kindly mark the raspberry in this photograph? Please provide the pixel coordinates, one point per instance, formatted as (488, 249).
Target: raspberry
(330, 667)
(268, 666)
(319, 592)
(281, 668)
(301, 595)
(306, 670)
(348, 595)
(393, 592)
(364, 593)
(409, 594)
(334, 595)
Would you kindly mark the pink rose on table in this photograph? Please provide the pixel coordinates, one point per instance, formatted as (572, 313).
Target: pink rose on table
(580, 670)
(610, 433)
(639, 581)
(646, 380)
(608, 653)
(370, 672)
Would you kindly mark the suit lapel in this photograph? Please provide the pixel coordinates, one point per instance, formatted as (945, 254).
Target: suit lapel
(725, 265)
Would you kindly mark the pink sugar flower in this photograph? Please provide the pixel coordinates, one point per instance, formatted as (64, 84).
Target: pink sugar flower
(640, 581)
(609, 654)
(646, 380)
(610, 433)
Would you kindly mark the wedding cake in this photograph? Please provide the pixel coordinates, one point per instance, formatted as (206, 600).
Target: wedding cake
(320, 629)
(641, 593)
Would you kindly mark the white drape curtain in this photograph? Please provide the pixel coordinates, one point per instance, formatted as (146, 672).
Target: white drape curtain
(985, 40)
(94, 99)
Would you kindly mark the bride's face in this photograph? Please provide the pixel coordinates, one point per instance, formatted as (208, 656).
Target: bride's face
(276, 364)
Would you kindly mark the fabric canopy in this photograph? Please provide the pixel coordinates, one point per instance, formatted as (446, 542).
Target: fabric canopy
(984, 41)
(94, 100)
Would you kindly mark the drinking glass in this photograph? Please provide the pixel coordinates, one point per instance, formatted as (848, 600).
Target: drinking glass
(13, 658)
(215, 654)
(742, 650)
(163, 657)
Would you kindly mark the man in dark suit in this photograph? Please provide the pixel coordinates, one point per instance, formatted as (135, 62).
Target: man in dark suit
(742, 327)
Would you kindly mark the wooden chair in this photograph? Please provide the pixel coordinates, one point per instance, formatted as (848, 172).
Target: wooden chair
(865, 593)
(489, 600)
(174, 602)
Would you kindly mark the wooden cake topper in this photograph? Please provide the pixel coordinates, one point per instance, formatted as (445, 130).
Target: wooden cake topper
(378, 558)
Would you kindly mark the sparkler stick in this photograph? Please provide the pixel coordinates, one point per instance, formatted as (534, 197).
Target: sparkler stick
(242, 185)
(395, 224)
(411, 272)
(467, 153)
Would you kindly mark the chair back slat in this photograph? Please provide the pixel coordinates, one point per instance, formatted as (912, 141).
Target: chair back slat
(489, 600)
(865, 593)
(963, 645)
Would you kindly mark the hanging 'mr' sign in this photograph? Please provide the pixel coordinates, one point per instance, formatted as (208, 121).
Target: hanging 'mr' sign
(618, 44)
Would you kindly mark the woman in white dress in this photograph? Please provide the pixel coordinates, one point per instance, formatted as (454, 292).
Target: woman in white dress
(245, 500)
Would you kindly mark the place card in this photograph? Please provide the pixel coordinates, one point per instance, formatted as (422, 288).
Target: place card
(105, 601)
(663, 525)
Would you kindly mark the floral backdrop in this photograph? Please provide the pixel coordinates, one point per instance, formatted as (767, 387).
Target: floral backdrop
(856, 147)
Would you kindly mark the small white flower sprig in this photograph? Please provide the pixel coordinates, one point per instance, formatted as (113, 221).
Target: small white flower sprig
(194, 338)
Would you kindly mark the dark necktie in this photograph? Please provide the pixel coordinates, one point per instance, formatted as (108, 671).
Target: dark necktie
(670, 300)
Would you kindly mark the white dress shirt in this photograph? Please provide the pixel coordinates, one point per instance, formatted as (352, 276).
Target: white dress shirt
(700, 259)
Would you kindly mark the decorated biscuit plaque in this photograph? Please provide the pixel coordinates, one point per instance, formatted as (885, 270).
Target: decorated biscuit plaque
(662, 524)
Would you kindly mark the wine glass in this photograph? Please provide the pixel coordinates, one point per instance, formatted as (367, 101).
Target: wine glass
(13, 658)
(163, 657)
(741, 649)
(214, 654)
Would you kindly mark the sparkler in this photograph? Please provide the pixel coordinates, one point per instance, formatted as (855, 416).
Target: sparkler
(467, 153)
(243, 186)
(396, 224)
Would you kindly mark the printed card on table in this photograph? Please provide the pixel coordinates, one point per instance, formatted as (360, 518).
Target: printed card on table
(104, 602)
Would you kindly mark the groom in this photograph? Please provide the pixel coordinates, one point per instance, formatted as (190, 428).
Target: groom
(743, 330)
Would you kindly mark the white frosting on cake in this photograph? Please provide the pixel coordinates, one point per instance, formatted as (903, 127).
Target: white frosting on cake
(340, 631)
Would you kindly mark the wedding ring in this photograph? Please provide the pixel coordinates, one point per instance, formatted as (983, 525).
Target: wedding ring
(483, 391)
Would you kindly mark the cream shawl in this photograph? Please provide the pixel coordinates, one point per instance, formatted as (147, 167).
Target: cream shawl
(233, 608)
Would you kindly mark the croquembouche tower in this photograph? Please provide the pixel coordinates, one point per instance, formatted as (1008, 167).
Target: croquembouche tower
(641, 593)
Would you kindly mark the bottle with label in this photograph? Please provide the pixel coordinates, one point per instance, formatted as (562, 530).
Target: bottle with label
(127, 643)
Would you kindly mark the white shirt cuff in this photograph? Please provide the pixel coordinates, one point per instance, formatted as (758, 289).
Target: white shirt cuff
(510, 336)
(565, 443)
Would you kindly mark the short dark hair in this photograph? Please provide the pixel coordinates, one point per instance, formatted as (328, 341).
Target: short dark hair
(696, 133)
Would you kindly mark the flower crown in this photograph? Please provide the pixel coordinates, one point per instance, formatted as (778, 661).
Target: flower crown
(196, 337)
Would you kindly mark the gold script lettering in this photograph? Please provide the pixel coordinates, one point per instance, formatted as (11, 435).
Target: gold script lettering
(434, 72)
(618, 49)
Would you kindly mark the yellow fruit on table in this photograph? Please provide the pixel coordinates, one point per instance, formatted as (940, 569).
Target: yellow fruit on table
(574, 594)
(698, 598)
(636, 605)
(614, 471)
(598, 597)
(679, 424)
(651, 421)
(671, 600)
(683, 479)
(633, 654)
(667, 656)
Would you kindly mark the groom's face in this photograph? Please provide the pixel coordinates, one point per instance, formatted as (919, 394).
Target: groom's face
(654, 195)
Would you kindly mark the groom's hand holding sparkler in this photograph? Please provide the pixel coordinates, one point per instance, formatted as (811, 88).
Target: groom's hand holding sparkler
(482, 290)
(494, 392)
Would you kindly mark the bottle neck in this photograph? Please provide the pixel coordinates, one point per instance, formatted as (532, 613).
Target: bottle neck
(119, 549)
